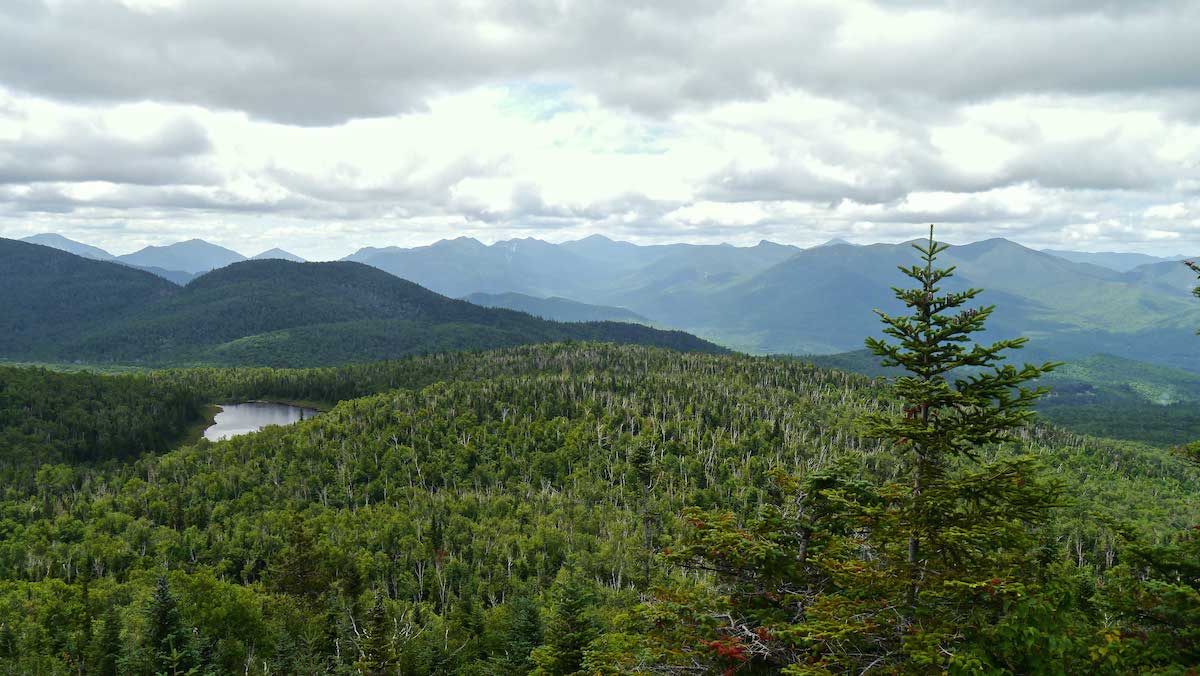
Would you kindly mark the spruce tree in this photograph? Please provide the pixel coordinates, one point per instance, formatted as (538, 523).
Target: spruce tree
(8, 641)
(958, 515)
(641, 459)
(297, 569)
(570, 629)
(523, 634)
(377, 657)
(169, 641)
(108, 647)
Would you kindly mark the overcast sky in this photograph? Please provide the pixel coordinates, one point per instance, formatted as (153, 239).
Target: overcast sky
(324, 126)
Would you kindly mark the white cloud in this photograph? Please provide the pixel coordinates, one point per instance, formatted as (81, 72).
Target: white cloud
(323, 127)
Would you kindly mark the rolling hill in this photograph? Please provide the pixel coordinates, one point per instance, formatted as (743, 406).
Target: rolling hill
(1170, 277)
(267, 312)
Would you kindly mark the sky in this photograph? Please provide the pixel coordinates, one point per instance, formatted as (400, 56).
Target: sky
(323, 127)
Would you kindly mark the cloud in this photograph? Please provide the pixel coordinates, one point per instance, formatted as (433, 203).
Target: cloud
(82, 152)
(338, 125)
(311, 62)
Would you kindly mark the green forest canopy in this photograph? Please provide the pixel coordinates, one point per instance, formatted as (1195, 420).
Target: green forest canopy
(452, 502)
(592, 508)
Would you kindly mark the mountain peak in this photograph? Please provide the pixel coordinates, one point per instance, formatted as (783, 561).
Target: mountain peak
(462, 242)
(193, 255)
(598, 238)
(836, 241)
(278, 253)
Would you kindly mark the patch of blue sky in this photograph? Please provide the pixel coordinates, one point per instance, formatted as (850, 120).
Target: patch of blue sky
(542, 101)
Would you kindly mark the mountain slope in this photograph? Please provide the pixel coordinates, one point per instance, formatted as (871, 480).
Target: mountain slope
(269, 312)
(52, 296)
(555, 308)
(57, 241)
(820, 301)
(1170, 277)
(195, 256)
(772, 298)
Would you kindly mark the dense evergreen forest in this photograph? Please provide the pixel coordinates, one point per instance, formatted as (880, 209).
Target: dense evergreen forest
(593, 508)
(55, 417)
(494, 513)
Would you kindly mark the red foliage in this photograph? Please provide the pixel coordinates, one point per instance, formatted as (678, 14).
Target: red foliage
(730, 649)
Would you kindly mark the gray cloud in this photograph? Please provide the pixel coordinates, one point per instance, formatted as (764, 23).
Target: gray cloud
(82, 152)
(312, 62)
(1095, 164)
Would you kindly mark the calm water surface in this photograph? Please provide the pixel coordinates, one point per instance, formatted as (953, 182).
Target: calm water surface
(235, 419)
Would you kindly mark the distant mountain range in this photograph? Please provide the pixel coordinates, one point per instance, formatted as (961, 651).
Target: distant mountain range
(585, 270)
(774, 298)
(1121, 262)
(61, 307)
(180, 262)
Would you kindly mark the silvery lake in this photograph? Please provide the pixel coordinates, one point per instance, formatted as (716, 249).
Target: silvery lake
(235, 419)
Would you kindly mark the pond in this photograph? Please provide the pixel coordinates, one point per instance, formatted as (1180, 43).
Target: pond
(235, 419)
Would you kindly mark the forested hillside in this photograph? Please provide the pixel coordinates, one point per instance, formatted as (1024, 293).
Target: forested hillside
(465, 522)
(272, 312)
(49, 417)
(52, 297)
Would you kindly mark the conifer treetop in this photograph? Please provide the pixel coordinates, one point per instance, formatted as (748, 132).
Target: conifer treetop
(957, 393)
